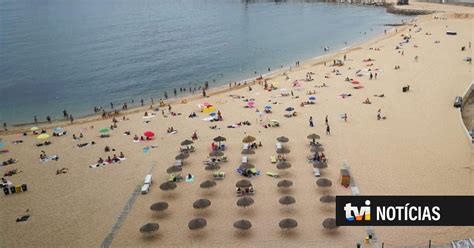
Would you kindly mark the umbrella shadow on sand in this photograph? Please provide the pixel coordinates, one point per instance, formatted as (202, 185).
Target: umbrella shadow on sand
(152, 238)
(160, 215)
(287, 210)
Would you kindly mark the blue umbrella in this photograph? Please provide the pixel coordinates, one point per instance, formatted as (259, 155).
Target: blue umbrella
(213, 114)
(268, 107)
(312, 98)
(58, 130)
(289, 109)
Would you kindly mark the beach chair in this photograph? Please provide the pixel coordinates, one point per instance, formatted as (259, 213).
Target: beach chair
(316, 172)
(239, 192)
(244, 159)
(218, 175)
(272, 174)
(245, 146)
(223, 159)
(273, 159)
(278, 145)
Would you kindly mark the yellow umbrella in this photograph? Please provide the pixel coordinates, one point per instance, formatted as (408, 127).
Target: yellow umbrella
(43, 136)
(34, 128)
(209, 109)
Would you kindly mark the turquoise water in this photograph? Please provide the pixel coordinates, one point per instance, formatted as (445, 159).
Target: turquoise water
(77, 54)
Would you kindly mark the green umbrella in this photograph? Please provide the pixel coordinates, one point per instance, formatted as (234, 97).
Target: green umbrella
(104, 130)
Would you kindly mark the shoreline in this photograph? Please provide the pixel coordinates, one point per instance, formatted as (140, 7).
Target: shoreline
(212, 91)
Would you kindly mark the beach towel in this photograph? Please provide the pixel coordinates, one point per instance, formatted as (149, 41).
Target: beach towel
(358, 87)
(272, 174)
(49, 158)
(146, 149)
(149, 116)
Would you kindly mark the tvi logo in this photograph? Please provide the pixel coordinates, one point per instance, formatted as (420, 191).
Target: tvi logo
(363, 213)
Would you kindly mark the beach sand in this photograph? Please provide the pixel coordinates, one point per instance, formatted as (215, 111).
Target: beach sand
(420, 149)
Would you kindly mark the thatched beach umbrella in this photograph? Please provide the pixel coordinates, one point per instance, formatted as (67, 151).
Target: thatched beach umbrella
(283, 150)
(245, 201)
(166, 186)
(243, 183)
(149, 228)
(327, 198)
(323, 182)
(159, 206)
(283, 165)
(288, 223)
(187, 142)
(201, 204)
(182, 156)
(216, 154)
(208, 184)
(248, 139)
(242, 224)
(319, 165)
(313, 137)
(283, 139)
(317, 149)
(287, 200)
(247, 152)
(219, 139)
(330, 223)
(212, 167)
(197, 223)
(284, 184)
(244, 166)
(174, 169)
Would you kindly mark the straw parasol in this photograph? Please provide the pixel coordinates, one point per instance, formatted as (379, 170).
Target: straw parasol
(284, 184)
(283, 165)
(288, 223)
(319, 165)
(197, 223)
(283, 139)
(168, 186)
(282, 150)
(248, 139)
(244, 166)
(243, 183)
(247, 152)
(219, 139)
(313, 136)
(181, 156)
(317, 149)
(242, 224)
(330, 223)
(216, 154)
(207, 184)
(212, 167)
(149, 228)
(324, 182)
(287, 200)
(327, 198)
(201, 204)
(245, 201)
(159, 206)
(174, 169)
(187, 142)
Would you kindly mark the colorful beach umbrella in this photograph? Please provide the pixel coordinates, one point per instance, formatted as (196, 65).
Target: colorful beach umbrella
(312, 98)
(251, 104)
(209, 109)
(104, 130)
(268, 107)
(43, 136)
(149, 134)
(34, 129)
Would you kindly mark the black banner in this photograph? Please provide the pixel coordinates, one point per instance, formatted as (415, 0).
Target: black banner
(405, 210)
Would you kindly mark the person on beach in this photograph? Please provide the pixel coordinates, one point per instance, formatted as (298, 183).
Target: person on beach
(111, 105)
(375, 76)
(326, 120)
(141, 102)
(5, 126)
(65, 115)
(344, 117)
(203, 92)
(328, 130)
(345, 57)
(311, 124)
(48, 119)
(166, 95)
(371, 76)
(71, 118)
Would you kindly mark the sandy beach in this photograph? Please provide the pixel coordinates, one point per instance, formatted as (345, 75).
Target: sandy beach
(419, 149)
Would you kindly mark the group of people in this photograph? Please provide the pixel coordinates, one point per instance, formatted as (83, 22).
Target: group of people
(113, 159)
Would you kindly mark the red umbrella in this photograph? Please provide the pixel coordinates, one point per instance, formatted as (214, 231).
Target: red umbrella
(149, 134)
